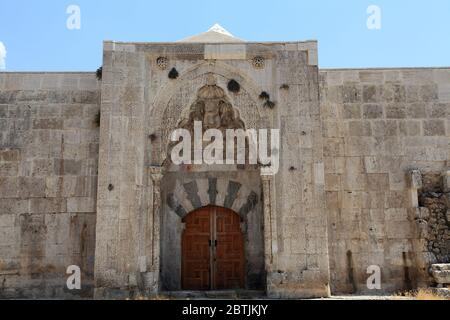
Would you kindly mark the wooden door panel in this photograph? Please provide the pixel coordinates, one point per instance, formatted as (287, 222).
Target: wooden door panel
(196, 257)
(229, 264)
(212, 250)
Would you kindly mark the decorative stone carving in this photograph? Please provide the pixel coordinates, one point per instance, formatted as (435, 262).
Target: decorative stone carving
(416, 179)
(259, 62)
(422, 228)
(422, 213)
(213, 109)
(162, 63)
(174, 100)
(441, 273)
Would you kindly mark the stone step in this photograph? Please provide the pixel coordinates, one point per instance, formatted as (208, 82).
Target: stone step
(219, 294)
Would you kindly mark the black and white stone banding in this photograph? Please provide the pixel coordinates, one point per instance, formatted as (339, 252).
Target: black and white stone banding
(175, 205)
(252, 201)
(233, 189)
(192, 194)
(192, 197)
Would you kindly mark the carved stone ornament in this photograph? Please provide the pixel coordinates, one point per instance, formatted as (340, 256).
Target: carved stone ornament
(259, 62)
(162, 63)
(213, 109)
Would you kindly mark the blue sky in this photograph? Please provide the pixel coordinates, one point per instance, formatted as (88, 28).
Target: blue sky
(413, 32)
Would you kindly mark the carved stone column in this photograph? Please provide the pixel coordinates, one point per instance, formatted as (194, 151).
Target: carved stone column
(155, 175)
(270, 221)
(415, 178)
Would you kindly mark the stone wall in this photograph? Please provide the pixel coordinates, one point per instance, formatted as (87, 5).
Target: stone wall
(301, 267)
(362, 153)
(378, 125)
(48, 181)
(434, 200)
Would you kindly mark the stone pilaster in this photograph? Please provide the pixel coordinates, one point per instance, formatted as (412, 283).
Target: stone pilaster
(155, 175)
(270, 221)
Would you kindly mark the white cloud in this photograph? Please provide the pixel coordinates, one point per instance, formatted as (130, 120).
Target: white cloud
(2, 56)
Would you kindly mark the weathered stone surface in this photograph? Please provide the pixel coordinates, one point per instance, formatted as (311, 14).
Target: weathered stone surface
(372, 111)
(355, 146)
(434, 128)
(441, 273)
(44, 194)
(233, 189)
(192, 191)
(416, 179)
(398, 140)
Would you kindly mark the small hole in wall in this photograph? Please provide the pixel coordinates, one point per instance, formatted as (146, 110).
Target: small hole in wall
(292, 168)
(284, 87)
(173, 74)
(234, 86)
(152, 137)
(264, 96)
(110, 187)
(97, 119)
(269, 104)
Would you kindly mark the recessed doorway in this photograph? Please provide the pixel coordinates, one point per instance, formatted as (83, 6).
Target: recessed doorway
(213, 250)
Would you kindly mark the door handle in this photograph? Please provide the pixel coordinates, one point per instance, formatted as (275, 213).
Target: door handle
(215, 243)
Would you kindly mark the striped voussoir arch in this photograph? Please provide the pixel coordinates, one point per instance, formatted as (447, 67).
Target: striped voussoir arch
(199, 193)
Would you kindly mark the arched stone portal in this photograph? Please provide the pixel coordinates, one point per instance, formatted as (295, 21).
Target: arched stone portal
(142, 198)
(188, 187)
(212, 250)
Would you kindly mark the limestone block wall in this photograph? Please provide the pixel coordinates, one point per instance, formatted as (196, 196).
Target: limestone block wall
(124, 192)
(300, 267)
(378, 125)
(48, 181)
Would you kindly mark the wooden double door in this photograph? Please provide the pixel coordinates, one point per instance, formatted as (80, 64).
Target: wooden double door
(212, 250)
